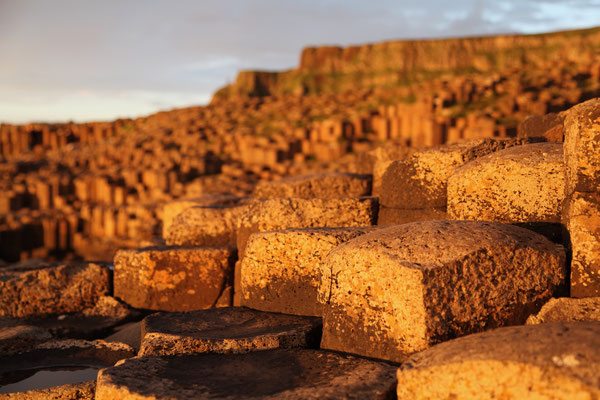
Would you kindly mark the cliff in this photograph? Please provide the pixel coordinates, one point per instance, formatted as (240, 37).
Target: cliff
(395, 63)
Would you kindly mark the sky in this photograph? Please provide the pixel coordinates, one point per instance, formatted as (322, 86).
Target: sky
(84, 60)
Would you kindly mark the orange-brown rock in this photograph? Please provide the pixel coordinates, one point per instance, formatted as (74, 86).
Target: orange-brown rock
(328, 185)
(566, 309)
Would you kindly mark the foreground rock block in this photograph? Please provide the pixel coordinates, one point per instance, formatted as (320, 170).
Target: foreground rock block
(548, 361)
(420, 181)
(270, 374)
(277, 214)
(582, 153)
(582, 219)
(325, 185)
(566, 309)
(520, 184)
(205, 226)
(173, 278)
(281, 270)
(398, 290)
(49, 290)
(226, 330)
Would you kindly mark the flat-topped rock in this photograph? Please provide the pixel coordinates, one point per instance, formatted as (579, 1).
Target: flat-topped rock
(226, 330)
(270, 374)
(582, 153)
(324, 185)
(51, 289)
(567, 309)
(276, 214)
(281, 270)
(173, 278)
(205, 226)
(547, 361)
(581, 216)
(521, 184)
(400, 289)
(172, 209)
(420, 181)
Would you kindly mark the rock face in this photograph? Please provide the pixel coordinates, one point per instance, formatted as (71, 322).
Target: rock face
(173, 278)
(420, 182)
(205, 226)
(276, 214)
(520, 184)
(400, 289)
(567, 309)
(326, 185)
(281, 270)
(226, 330)
(550, 361)
(271, 374)
(49, 290)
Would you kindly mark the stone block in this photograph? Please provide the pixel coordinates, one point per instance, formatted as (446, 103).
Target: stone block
(397, 216)
(549, 126)
(281, 270)
(276, 214)
(547, 361)
(566, 309)
(226, 330)
(270, 374)
(173, 278)
(581, 216)
(51, 289)
(520, 184)
(398, 290)
(205, 226)
(325, 185)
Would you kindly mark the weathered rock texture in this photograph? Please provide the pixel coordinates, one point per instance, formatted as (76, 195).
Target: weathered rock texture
(547, 361)
(271, 374)
(566, 309)
(19, 338)
(400, 289)
(281, 270)
(76, 391)
(173, 278)
(549, 126)
(226, 330)
(326, 185)
(205, 226)
(48, 290)
(398, 216)
(520, 184)
(276, 214)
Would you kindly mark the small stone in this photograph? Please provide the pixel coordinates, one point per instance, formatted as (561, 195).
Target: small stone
(520, 184)
(270, 374)
(567, 309)
(173, 278)
(226, 330)
(547, 361)
(281, 270)
(325, 185)
(398, 290)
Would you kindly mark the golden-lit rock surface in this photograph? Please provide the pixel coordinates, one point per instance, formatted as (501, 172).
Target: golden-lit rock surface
(566, 309)
(173, 278)
(281, 270)
(548, 361)
(329, 185)
(398, 290)
(76, 391)
(226, 330)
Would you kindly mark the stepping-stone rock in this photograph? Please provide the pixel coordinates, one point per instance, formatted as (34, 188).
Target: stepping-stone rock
(205, 226)
(520, 184)
(173, 278)
(269, 374)
(567, 309)
(20, 338)
(281, 270)
(582, 219)
(172, 209)
(324, 185)
(226, 330)
(400, 289)
(397, 216)
(276, 214)
(420, 181)
(547, 361)
(582, 153)
(52, 289)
